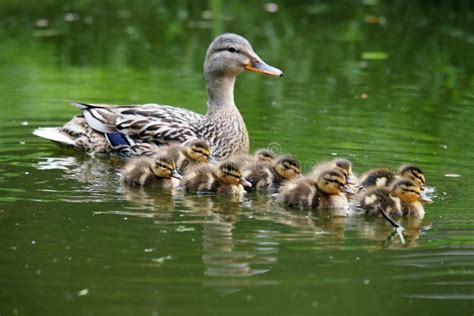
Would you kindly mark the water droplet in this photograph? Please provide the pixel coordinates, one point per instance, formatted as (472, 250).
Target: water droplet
(366, 281)
(83, 292)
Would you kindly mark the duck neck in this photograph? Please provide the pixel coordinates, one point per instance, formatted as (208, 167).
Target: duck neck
(220, 92)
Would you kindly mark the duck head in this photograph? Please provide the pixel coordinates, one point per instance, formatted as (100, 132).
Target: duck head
(288, 167)
(199, 150)
(345, 167)
(231, 174)
(413, 173)
(230, 54)
(165, 167)
(409, 191)
(264, 155)
(333, 181)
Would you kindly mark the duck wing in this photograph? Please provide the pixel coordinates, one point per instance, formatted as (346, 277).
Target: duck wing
(161, 124)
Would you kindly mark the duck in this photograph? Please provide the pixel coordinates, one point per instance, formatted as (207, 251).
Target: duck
(189, 154)
(100, 127)
(270, 175)
(223, 178)
(402, 198)
(380, 177)
(326, 190)
(341, 164)
(151, 171)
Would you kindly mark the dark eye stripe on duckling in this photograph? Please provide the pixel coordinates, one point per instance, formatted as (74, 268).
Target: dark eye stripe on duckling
(418, 176)
(335, 181)
(201, 151)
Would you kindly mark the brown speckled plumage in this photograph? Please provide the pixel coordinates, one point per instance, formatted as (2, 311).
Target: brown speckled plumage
(222, 125)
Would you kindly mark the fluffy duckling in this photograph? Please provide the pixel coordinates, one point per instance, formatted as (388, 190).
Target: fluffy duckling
(189, 154)
(341, 164)
(383, 177)
(324, 191)
(225, 178)
(265, 175)
(264, 154)
(159, 170)
(403, 197)
(260, 155)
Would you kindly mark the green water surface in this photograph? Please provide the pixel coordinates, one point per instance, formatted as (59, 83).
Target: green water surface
(381, 83)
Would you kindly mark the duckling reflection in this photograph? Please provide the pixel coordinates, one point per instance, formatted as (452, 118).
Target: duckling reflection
(148, 202)
(377, 229)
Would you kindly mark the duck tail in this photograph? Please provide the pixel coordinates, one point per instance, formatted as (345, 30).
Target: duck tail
(55, 135)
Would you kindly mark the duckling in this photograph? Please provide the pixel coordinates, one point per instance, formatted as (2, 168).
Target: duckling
(341, 164)
(264, 154)
(260, 155)
(403, 197)
(324, 191)
(189, 154)
(264, 175)
(225, 178)
(143, 171)
(383, 177)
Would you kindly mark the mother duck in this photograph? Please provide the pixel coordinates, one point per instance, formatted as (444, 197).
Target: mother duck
(101, 128)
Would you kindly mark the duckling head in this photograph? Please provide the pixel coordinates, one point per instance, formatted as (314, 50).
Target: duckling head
(414, 173)
(288, 167)
(264, 155)
(229, 54)
(408, 191)
(333, 181)
(345, 167)
(231, 174)
(165, 167)
(199, 150)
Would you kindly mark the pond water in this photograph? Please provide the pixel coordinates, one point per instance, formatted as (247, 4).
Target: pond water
(380, 84)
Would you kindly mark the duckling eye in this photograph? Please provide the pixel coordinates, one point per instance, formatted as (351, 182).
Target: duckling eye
(232, 50)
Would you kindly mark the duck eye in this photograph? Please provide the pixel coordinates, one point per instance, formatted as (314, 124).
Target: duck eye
(232, 50)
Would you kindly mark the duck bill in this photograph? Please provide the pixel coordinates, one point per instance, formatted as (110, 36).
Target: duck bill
(212, 160)
(245, 183)
(351, 180)
(425, 199)
(348, 189)
(175, 174)
(257, 65)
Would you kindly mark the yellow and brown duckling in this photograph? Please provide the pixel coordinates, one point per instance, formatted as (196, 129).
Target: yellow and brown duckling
(224, 178)
(270, 175)
(402, 197)
(189, 154)
(146, 171)
(324, 191)
(341, 164)
(260, 155)
(383, 177)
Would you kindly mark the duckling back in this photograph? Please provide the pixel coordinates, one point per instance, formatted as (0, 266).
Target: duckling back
(299, 193)
(375, 199)
(200, 178)
(377, 177)
(138, 172)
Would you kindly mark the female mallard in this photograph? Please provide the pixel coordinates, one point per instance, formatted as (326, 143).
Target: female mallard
(102, 127)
